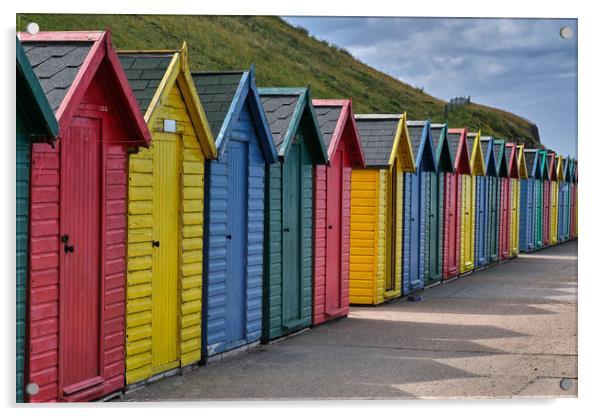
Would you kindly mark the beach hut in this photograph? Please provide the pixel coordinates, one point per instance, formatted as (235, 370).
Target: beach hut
(493, 201)
(572, 199)
(553, 221)
(543, 202)
(417, 194)
(77, 296)
(287, 287)
(512, 156)
(530, 202)
(468, 210)
(481, 205)
(377, 208)
(35, 124)
(460, 154)
(503, 174)
(165, 216)
(434, 233)
(569, 176)
(545, 211)
(234, 210)
(332, 208)
(575, 200)
(561, 169)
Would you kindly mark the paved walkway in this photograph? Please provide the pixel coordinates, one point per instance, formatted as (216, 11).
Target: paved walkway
(507, 331)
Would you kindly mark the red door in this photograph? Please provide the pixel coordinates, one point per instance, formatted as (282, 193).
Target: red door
(452, 254)
(334, 215)
(79, 336)
(504, 212)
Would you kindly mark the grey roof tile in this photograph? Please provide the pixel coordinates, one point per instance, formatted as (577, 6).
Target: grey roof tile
(328, 116)
(453, 139)
(279, 111)
(415, 129)
(216, 91)
(56, 65)
(145, 72)
(377, 136)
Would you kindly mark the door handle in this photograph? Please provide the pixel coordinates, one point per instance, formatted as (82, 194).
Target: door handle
(65, 240)
(286, 230)
(156, 243)
(330, 227)
(229, 236)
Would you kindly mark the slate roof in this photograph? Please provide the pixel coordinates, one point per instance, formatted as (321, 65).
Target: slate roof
(415, 128)
(145, 72)
(327, 119)
(508, 152)
(529, 160)
(279, 110)
(216, 91)
(436, 130)
(470, 137)
(377, 136)
(56, 65)
(453, 140)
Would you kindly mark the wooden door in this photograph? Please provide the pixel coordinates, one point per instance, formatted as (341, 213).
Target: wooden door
(334, 232)
(503, 228)
(236, 241)
(433, 243)
(391, 227)
(452, 187)
(81, 301)
(291, 236)
(165, 313)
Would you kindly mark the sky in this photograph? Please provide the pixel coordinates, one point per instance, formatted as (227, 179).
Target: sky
(520, 65)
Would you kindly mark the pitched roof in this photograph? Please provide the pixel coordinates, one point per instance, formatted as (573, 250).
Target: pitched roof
(422, 144)
(552, 165)
(223, 95)
(499, 147)
(286, 109)
(216, 91)
(65, 64)
(511, 153)
(441, 150)
(377, 136)
(56, 65)
(337, 120)
(543, 164)
(489, 156)
(144, 71)
(328, 117)
(522, 166)
(477, 154)
(530, 156)
(32, 97)
(459, 150)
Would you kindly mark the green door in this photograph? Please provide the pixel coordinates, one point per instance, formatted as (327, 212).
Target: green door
(291, 239)
(432, 230)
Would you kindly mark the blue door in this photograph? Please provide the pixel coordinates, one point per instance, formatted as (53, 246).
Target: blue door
(481, 221)
(415, 232)
(236, 241)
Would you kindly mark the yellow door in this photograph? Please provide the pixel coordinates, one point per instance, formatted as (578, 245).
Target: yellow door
(165, 339)
(554, 214)
(467, 224)
(514, 217)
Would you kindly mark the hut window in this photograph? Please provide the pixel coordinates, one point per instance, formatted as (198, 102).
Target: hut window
(169, 126)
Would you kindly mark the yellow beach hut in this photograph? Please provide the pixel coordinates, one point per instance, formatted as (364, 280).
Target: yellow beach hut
(468, 203)
(165, 216)
(377, 208)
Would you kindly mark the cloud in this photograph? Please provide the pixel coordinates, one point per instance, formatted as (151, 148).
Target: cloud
(520, 65)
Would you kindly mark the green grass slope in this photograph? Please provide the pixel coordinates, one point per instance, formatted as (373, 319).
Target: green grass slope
(286, 56)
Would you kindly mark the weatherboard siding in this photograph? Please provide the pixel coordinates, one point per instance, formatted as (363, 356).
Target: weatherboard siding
(367, 243)
(140, 236)
(216, 283)
(274, 296)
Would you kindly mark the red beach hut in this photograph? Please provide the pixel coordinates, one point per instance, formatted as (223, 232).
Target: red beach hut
(452, 202)
(76, 291)
(332, 207)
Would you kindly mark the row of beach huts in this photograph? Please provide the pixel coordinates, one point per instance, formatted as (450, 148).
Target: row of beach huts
(166, 216)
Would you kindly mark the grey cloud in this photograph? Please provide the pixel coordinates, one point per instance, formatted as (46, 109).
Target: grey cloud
(521, 65)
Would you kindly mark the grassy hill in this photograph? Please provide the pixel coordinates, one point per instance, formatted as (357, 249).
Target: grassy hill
(287, 56)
